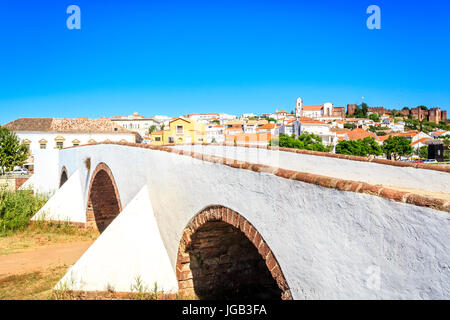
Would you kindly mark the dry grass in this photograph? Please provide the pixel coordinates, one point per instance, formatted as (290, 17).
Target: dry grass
(39, 284)
(41, 235)
(36, 285)
(105, 295)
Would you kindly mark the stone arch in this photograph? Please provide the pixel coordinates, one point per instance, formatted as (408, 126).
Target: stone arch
(64, 177)
(222, 256)
(104, 203)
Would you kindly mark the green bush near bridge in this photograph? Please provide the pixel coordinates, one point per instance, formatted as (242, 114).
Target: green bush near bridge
(17, 208)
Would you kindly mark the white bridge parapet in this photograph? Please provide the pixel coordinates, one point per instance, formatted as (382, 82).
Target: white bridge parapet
(327, 243)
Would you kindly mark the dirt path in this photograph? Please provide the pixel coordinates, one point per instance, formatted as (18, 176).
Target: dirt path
(61, 254)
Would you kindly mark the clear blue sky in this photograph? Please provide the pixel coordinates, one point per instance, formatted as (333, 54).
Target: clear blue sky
(178, 57)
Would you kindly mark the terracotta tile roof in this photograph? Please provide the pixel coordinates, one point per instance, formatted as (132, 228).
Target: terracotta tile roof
(312, 122)
(382, 138)
(422, 140)
(407, 134)
(65, 125)
(268, 126)
(339, 130)
(357, 134)
(175, 119)
(314, 107)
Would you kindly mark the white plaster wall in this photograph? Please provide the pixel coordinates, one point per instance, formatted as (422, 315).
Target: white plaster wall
(84, 138)
(129, 251)
(372, 173)
(330, 244)
(47, 170)
(67, 203)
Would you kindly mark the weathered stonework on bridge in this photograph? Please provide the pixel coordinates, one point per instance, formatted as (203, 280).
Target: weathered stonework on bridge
(234, 222)
(237, 259)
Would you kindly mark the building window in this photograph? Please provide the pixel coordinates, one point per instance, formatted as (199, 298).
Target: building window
(171, 140)
(179, 129)
(59, 142)
(43, 144)
(158, 139)
(75, 142)
(200, 139)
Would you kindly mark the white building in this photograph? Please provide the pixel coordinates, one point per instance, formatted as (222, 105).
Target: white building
(397, 127)
(319, 128)
(136, 122)
(49, 133)
(208, 117)
(325, 110)
(215, 133)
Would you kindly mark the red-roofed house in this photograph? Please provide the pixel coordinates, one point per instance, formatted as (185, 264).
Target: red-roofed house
(420, 143)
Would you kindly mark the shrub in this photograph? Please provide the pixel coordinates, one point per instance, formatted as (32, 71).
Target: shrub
(363, 147)
(17, 208)
(306, 141)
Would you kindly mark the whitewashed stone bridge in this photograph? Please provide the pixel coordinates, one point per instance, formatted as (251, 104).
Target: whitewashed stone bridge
(239, 222)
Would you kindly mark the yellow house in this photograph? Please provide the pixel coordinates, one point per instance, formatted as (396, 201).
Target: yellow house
(180, 131)
(157, 138)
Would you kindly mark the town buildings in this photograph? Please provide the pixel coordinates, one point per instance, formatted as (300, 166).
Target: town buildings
(324, 120)
(136, 122)
(180, 131)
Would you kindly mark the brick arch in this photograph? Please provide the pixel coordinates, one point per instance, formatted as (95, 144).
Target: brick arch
(104, 203)
(64, 177)
(217, 226)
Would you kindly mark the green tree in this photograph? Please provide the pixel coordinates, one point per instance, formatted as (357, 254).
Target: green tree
(152, 129)
(374, 117)
(361, 110)
(363, 147)
(306, 141)
(412, 124)
(396, 147)
(12, 151)
(422, 152)
(349, 125)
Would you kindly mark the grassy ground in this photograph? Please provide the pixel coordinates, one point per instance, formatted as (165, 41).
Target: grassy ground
(40, 234)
